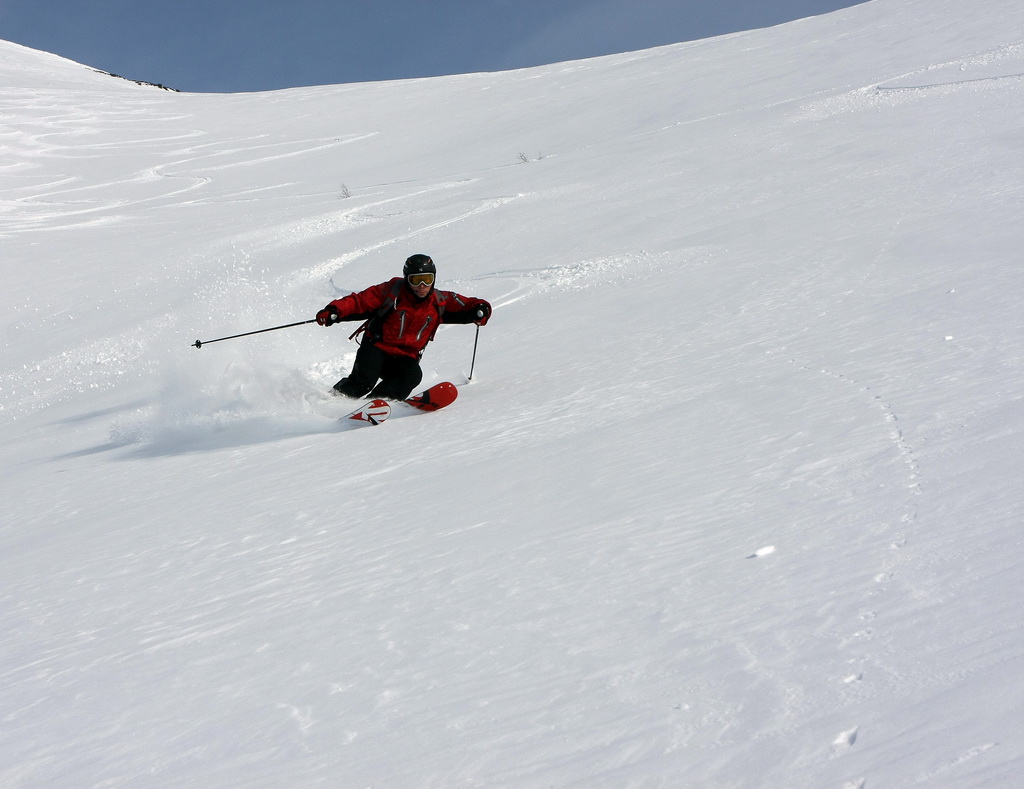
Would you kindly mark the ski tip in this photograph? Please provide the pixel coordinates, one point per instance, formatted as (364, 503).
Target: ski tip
(444, 390)
(437, 396)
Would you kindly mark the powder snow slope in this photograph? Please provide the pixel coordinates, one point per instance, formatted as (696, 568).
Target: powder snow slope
(732, 501)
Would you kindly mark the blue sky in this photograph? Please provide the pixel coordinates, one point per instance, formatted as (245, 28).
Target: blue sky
(247, 45)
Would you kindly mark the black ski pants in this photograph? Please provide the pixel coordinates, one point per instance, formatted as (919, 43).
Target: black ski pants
(398, 375)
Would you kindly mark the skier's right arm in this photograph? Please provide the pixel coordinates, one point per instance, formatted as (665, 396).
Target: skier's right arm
(354, 306)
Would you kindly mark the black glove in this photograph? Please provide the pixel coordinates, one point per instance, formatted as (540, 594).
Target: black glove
(483, 313)
(328, 316)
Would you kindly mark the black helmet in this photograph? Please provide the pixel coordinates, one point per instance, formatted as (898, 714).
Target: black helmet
(419, 264)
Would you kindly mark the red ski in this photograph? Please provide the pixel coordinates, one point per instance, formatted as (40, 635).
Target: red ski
(370, 413)
(437, 396)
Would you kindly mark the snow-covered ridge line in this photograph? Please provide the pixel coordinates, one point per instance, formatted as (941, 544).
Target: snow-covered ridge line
(138, 81)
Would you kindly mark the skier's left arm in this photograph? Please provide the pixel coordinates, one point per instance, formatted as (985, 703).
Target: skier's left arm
(466, 309)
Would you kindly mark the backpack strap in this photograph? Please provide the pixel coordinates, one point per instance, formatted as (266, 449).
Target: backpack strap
(440, 299)
(390, 303)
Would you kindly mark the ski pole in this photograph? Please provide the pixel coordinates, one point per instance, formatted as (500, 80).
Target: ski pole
(475, 342)
(201, 343)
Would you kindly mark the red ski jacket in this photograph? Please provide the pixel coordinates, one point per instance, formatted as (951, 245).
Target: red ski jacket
(401, 323)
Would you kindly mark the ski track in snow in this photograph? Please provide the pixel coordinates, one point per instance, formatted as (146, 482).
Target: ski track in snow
(580, 275)
(329, 268)
(863, 630)
(67, 136)
(934, 777)
(941, 79)
(895, 432)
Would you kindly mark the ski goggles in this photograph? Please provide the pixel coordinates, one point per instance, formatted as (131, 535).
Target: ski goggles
(420, 279)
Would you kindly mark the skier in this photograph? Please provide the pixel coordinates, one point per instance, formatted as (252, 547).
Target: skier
(400, 317)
